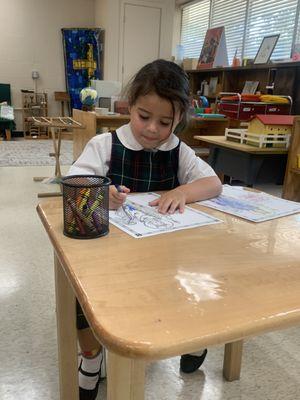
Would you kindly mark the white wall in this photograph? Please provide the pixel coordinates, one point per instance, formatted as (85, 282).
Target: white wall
(107, 16)
(30, 38)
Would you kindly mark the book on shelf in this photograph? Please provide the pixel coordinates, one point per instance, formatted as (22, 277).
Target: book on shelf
(250, 87)
(214, 49)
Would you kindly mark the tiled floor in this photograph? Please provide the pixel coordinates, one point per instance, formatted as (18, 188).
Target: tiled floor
(28, 353)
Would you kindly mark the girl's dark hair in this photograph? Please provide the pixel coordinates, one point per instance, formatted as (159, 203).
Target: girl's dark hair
(167, 80)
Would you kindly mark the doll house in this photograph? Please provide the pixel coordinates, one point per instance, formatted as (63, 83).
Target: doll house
(264, 131)
(271, 124)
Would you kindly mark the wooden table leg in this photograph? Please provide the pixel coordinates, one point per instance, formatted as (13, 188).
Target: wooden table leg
(8, 134)
(125, 378)
(232, 360)
(56, 153)
(66, 335)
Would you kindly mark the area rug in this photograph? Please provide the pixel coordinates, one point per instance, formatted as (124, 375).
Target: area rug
(33, 152)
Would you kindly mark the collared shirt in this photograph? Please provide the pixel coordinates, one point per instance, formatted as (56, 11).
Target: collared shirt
(95, 157)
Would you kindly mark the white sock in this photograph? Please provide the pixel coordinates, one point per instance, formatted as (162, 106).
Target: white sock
(92, 366)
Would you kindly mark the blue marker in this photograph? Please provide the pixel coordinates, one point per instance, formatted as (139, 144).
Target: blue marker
(119, 189)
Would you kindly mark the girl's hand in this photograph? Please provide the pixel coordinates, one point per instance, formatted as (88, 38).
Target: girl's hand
(169, 202)
(116, 199)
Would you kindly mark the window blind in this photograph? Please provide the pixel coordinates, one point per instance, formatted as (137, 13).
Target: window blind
(194, 24)
(246, 23)
(267, 17)
(232, 15)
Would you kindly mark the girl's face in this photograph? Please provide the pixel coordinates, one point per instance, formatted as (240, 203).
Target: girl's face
(152, 120)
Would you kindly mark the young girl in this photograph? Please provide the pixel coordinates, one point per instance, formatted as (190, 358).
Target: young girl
(146, 155)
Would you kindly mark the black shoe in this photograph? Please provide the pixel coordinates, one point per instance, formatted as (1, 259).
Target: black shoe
(190, 363)
(90, 394)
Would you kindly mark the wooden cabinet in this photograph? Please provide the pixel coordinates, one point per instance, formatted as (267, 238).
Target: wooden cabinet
(93, 124)
(291, 186)
(34, 105)
(283, 77)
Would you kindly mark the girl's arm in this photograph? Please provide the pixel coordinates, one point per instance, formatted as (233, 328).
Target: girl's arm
(201, 189)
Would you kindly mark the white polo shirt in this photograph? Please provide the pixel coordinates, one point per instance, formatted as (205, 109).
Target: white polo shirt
(95, 158)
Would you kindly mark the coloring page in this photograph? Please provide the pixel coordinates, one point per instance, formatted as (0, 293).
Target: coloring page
(138, 219)
(251, 205)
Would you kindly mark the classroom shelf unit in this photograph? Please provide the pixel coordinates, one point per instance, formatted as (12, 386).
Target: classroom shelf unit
(291, 186)
(34, 105)
(284, 78)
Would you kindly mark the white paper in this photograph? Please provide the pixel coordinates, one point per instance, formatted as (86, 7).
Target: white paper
(253, 206)
(139, 220)
(221, 58)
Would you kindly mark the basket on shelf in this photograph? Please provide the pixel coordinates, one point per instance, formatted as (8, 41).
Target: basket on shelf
(244, 107)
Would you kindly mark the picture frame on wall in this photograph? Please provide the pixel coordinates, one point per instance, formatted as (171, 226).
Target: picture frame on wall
(266, 49)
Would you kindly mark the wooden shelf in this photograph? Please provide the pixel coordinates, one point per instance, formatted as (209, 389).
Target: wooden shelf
(248, 67)
(291, 185)
(93, 123)
(295, 170)
(34, 105)
(34, 108)
(284, 76)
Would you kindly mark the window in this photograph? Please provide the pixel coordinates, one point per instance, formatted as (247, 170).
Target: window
(194, 25)
(246, 23)
(232, 15)
(267, 17)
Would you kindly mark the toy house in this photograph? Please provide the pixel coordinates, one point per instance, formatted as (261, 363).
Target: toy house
(264, 131)
(271, 124)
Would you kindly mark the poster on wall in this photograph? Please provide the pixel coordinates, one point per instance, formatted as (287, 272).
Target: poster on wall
(83, 59)
(214, 49)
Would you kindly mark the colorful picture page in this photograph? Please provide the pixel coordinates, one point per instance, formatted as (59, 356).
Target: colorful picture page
(253, 206)
(139, 220)
(214, 49)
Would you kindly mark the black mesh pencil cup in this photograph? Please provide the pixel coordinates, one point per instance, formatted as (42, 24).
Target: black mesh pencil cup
(86, 206)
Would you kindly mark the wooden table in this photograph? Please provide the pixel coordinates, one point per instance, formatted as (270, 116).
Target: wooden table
(94, 122)
(249, 164)
(291, 186)
(201, 127)
(166, 295)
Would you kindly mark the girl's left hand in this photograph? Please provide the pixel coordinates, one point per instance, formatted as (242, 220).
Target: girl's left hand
(169, 202)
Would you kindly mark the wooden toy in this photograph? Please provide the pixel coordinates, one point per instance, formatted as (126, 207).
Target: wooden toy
(264, 131)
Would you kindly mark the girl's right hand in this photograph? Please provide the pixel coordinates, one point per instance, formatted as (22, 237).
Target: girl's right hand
(116, 199)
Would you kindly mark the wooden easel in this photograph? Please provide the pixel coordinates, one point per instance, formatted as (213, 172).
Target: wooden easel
(56, 125)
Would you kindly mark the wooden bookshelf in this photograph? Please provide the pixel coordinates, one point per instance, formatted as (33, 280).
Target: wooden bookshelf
(34, 105)
(284, 76)
(291, 186)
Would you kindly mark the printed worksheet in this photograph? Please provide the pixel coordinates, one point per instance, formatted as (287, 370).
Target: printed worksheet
(251, 205)
(139, 220)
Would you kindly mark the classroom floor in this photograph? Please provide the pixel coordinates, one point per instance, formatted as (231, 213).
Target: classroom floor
(28, 351)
